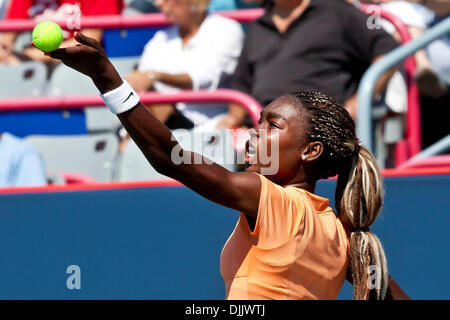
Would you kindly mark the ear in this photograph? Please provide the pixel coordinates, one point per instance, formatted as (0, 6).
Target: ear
(312, 151)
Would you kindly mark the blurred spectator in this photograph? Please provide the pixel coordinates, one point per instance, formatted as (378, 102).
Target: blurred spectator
(223, 5)
(20, 164)
(308, 44)
(199, 51)
(148, 6)
(68, 10)
(140, 6)
(433, 64)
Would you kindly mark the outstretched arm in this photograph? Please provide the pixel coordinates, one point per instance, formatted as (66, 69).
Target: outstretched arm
(239, 191)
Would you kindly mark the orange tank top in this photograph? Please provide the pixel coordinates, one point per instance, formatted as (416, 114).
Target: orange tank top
(298, 249)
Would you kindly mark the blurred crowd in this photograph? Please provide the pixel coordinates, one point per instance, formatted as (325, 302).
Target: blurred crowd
(321, 45)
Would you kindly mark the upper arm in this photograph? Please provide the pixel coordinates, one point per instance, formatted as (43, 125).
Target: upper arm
(239, 191)
(30, 171)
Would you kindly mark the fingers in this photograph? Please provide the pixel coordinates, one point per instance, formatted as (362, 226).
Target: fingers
(81, 38)
(58, 53)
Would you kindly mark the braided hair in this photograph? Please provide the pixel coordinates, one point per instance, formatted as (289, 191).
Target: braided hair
(359, 191)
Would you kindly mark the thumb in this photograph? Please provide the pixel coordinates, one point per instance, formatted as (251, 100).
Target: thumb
(81, 38)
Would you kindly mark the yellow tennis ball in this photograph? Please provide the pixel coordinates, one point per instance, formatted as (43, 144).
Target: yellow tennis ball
(47, 36)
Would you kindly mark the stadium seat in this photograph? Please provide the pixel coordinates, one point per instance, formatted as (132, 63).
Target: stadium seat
(91, 155)
(68, 82)
(216, 145)
(125, 65)
(27, 79)
(135, 167)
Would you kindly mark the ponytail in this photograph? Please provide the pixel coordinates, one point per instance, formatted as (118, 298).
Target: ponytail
(359, 196)
(359, 191)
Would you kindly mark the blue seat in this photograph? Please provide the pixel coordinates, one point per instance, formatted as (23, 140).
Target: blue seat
(126, 43)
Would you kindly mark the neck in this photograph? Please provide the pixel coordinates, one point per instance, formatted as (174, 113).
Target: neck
(286, 11)
(287, 8)
(304, 178)
(190, 27)
(301, 179)
(309, 186)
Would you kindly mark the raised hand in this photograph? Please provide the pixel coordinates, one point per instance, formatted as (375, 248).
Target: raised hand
(89, 58)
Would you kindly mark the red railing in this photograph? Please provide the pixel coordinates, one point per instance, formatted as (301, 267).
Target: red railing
(126, 22)
(56, 103)
(387, 173)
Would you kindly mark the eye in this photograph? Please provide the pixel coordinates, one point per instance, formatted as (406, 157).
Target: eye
(274, 124)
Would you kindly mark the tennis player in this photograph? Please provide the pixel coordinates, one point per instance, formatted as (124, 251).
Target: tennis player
(288, 242)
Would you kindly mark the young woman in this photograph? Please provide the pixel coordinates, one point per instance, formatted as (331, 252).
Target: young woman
(288, 243)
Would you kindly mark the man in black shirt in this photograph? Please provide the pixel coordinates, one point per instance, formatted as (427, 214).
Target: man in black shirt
(321, 45)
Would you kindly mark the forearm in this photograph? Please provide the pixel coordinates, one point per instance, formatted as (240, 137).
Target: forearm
(155, 139)
(383, 80)
(151, 136)
(182, 81)
(147, 131)
(440, 7)
(8, 38)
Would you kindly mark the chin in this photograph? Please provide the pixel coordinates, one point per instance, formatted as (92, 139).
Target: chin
(252, 168)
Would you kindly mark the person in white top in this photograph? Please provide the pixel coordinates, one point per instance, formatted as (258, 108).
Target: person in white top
(197, 53)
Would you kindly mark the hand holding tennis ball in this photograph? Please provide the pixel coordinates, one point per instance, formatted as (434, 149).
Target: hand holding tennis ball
(47, 36)
(89, 58)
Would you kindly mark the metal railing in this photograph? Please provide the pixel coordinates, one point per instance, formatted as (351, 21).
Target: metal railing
(126, 22)
(412, 142)
(367, 85)
(251, 106)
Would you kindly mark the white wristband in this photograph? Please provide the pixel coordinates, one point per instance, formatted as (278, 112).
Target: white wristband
(121, 99)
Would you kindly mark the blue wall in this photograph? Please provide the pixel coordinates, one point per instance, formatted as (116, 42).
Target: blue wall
(165, 243)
